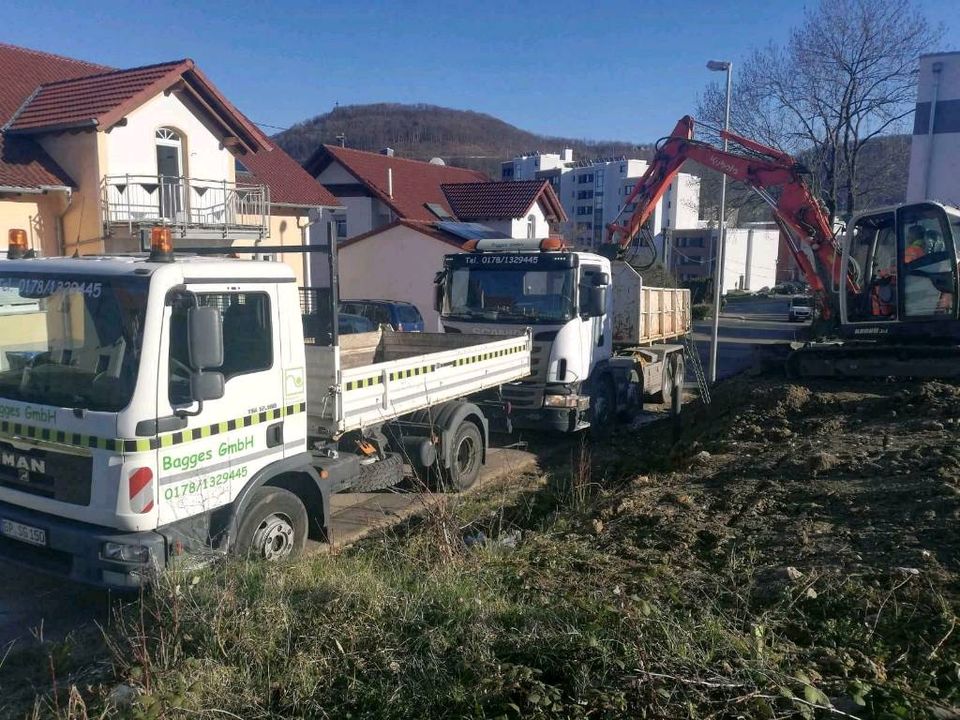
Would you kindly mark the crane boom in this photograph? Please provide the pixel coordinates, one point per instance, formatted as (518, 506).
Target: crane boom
(796, 210)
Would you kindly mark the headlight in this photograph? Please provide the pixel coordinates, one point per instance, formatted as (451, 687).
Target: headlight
(126, 553)
(561, 401)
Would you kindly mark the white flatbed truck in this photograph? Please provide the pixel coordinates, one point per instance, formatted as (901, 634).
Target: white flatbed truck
(602, 341)
(152, 408)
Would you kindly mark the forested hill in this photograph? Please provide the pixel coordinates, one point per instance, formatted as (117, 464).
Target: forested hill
(460, 137)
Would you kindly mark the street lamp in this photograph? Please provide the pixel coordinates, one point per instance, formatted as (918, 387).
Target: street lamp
(720, 66)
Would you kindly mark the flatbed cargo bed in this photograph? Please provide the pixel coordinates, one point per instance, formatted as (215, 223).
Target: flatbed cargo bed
(374, 377)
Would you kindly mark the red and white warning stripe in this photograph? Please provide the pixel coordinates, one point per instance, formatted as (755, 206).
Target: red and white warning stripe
(141, 490)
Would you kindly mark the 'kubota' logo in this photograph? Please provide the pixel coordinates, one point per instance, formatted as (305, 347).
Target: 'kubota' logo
(23, 463)
(722, 165)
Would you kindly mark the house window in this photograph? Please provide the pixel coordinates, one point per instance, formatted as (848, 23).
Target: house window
(341, 227)
(531, 227)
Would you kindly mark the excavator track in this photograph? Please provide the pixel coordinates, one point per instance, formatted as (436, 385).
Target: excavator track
(872, 360)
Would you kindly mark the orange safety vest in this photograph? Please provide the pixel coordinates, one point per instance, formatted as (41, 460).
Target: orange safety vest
(913, 252)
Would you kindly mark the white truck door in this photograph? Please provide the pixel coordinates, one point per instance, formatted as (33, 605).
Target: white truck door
(596, 339)
(204, 465)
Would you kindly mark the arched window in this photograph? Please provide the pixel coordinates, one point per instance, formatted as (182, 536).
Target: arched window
(169, 171)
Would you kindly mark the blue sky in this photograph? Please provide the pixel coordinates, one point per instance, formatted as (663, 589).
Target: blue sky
(596, 70)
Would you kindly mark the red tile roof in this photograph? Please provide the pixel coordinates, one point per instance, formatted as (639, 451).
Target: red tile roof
(23, 163)
(95, 100)
(425, 228)
(415, 183)
(44, 92)
(502, 200)
(289, 183)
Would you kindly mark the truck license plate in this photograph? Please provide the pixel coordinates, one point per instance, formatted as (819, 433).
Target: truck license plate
(24, 533)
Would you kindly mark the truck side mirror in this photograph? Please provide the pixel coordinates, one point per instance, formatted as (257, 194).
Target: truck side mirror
(593, 301)
(204, 337)
(206, 386)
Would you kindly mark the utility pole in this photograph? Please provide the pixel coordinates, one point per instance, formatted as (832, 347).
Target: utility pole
(720, 66)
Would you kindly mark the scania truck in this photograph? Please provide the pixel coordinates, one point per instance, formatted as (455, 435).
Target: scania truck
(157, 406)
(602, 341)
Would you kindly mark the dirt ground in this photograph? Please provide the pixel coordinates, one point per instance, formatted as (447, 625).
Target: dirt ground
(842, 502)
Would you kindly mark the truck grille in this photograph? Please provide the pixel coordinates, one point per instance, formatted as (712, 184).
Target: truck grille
(66, 478)
(522, 396)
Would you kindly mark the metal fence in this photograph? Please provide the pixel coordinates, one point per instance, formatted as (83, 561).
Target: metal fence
(185, 203)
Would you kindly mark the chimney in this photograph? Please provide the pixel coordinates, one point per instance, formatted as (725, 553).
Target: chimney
(567, 155)
(387, 151)
(390, 182)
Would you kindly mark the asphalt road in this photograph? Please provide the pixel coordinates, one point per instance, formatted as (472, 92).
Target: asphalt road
(33, 605)
(745, 325)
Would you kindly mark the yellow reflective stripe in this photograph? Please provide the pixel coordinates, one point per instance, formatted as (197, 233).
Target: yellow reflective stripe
(13, 430)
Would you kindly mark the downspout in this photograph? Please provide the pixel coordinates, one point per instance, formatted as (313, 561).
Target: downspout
(937, 69)
(61, 243)
(304, 241)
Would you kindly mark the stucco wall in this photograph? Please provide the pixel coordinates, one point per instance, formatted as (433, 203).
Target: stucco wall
(131, 148)
(81, 156)
(933, 170)
(397, 264)
(28, 213)
(750, 260)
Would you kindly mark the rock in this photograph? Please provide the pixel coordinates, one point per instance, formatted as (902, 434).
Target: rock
(597, 526)
(791, 573)
(122, 696)
(811, 593)
(822, 461)
(702, 457)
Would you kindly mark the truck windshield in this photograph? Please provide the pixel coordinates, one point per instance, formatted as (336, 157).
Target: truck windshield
(70, 341)
(510, 295)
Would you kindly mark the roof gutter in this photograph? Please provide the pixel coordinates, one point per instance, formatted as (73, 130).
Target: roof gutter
(38, 190)
(40, 129)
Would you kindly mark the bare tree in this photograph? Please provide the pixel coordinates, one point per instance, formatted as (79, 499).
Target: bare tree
(846, 76)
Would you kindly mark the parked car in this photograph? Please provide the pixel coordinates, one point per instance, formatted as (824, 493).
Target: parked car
(347, 324)
(401, 316)
(801, 308)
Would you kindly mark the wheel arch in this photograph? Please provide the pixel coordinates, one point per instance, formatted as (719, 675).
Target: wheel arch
(296, 475)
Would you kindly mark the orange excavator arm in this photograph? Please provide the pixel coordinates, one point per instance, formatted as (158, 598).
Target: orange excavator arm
(795, 208)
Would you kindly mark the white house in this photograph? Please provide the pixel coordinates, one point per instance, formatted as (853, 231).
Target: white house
(935, 148)
(375, 189)
(90, 156)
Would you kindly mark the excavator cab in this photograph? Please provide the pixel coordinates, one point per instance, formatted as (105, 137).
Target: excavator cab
(904, 265)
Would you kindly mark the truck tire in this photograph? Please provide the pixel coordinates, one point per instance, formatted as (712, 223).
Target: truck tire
(274, 525)
(379, 475)
(667, 380)
(465, 460)
(603, 408)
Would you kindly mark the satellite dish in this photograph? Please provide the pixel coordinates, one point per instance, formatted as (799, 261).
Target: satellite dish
(437, 161)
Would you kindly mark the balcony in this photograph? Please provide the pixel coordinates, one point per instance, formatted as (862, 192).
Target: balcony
(192, 208)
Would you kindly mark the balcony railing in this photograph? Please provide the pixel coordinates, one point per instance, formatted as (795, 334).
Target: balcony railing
(189, 206)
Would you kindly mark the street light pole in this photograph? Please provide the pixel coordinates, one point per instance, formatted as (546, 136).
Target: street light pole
(719, 66)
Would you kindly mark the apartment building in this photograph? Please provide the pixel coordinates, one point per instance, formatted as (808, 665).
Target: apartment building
(594, 193)
(750, 260)
(935, 148)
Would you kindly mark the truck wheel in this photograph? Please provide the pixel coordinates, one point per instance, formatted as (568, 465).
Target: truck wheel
(603, 406)
(666, 382)
(274, 525)
(379, 475)
(466, 459)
